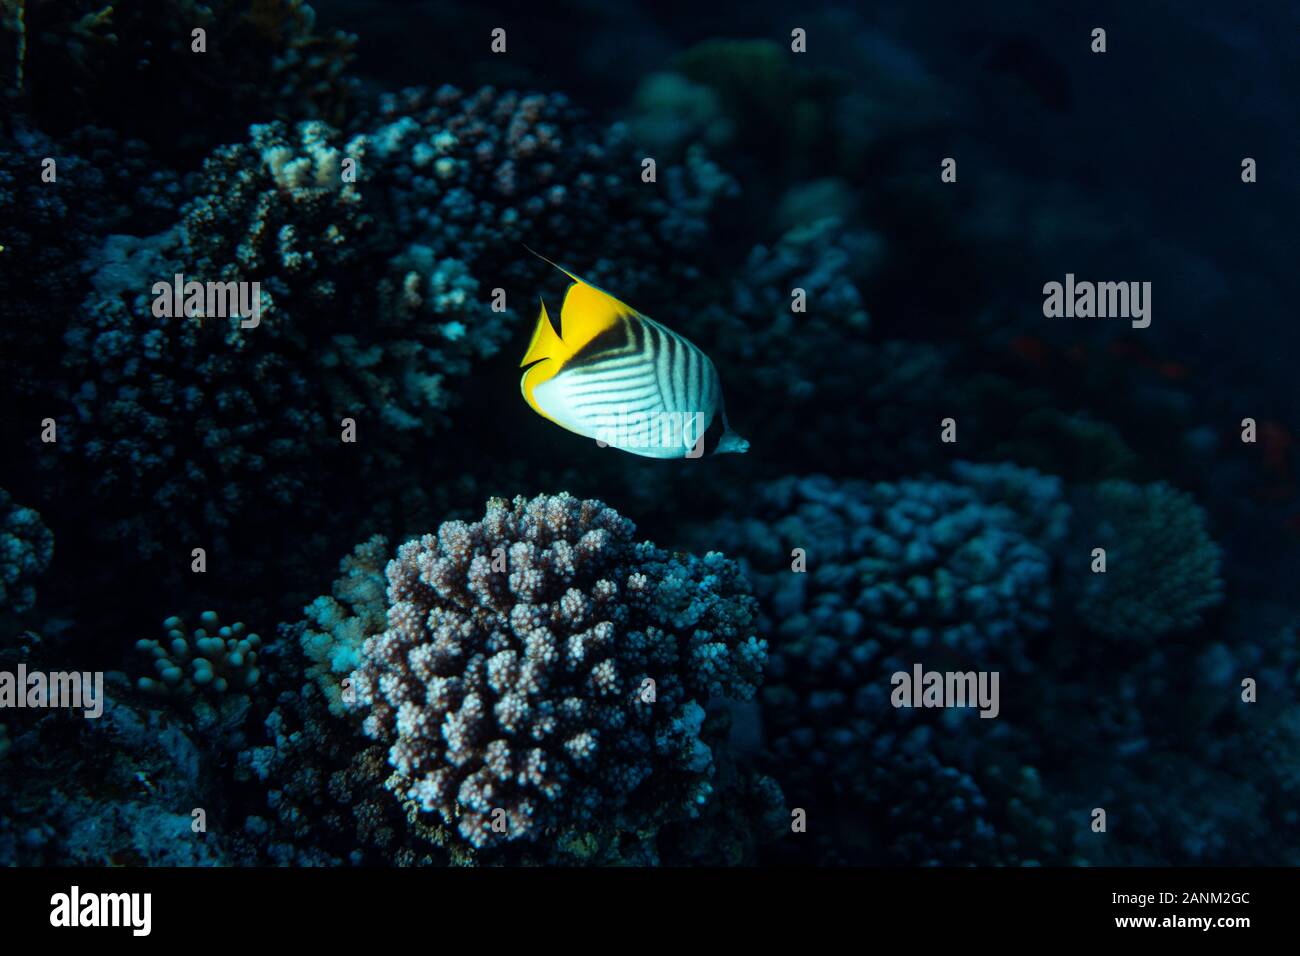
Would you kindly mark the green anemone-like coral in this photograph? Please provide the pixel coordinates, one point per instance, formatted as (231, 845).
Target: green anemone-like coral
(1162, 567)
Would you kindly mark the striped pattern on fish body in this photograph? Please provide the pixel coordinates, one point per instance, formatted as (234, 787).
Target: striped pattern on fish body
(622, 378)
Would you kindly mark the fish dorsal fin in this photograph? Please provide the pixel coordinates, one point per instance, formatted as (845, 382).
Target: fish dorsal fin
(587, 310)
(545, 342)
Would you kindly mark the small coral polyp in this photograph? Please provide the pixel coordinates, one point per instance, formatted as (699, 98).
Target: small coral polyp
(542, 671)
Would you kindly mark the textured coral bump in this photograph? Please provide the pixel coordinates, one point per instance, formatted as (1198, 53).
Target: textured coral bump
(511, 682)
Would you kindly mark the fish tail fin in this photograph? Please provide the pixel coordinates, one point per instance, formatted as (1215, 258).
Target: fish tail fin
(545, 342)
(730, 443)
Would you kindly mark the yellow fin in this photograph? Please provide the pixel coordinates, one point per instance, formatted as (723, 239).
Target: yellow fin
(587, 311)
(545, 343)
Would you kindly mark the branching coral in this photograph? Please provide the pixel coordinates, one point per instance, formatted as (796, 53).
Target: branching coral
(115, 791)
(325, 800)
(211, 672)
(786, 368)
(902, 566)
(281, 209)
(476, 173)
(338, 624)
(824, 261)
(26, 548)
(1162, 567)
(539, 670)
(168, 409)
(212, 659)
(47, 226)
(934, 812)
(935, 572)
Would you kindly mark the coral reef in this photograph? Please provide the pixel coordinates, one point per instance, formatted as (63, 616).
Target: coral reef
(74, 62)
(214, 657)
(762, 89)
(1162, 567)
(938, 572)
(26, 548)
(1075, 446)
(192, 414)
(323, 793)
(211, 673)
(121, 790)
(669, 112)
(537, 683)
(338, 624)
(935, 813)
(540, 671)
(168, 409)
(475, 174)
(53, 215)
(794, 371)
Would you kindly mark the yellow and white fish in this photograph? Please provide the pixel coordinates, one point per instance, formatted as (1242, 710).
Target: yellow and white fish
(620, 377)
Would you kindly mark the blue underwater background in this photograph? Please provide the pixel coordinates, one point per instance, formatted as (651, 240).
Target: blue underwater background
(496, 591)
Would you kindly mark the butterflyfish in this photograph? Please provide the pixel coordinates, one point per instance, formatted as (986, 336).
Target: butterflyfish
(619, 377)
